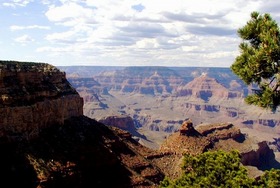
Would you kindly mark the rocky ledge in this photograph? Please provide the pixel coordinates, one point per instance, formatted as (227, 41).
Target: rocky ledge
(206, 137)
(122, 122)
(34, 96)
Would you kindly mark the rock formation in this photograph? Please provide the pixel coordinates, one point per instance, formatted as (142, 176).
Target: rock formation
(81, 153)
(34, 96)
(71, 150)
(54, 145)
(208, 95)
(143, 80)
(205, 87)
(159, 99)
(187, 129)
(225, 136)
(122, 122)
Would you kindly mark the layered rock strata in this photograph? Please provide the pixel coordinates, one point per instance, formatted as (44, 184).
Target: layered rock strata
(34, 96)
(205, 87)
(122, 122)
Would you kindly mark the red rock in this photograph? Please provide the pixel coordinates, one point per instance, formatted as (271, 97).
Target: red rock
(205, 87)
(34, 96)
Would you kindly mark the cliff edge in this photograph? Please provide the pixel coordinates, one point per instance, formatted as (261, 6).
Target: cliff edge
(34, 96)
(45, 140)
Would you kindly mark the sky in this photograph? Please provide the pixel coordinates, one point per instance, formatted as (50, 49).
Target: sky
(197, 33)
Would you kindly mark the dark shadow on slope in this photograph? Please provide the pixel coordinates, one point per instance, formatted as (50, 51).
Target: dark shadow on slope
(81, 153)
(263, 158)
(268, 161)
(88, 145)
(15, 169)
(205, 95)
(240, 138)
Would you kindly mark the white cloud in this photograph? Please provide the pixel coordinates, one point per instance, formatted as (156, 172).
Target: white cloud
(53, 49)
(189, 48)
(147, 32)
(172, 26)
(24, 39)
(147, 43)
(15, 3)
(17, 27)
(60, 37)
(68, 11)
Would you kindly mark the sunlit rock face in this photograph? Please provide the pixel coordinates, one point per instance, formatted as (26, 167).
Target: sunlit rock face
(205, 87)
(143, 80)
(156, 96)
(34, 96)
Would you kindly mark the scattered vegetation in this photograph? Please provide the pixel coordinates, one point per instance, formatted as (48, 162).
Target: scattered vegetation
(219, 169)
(26, 66)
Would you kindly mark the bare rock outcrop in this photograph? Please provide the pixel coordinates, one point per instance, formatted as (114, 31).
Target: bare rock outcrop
(261, 156)
(122, 122)
(34, 96)
(221, 131)
(187, 129)
(207, 137)
(205, 87)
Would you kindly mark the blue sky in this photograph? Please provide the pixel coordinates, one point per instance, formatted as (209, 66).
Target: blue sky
(126, 32)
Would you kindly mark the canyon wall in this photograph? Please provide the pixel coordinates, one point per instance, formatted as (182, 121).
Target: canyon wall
(160, 97)
(34, 96)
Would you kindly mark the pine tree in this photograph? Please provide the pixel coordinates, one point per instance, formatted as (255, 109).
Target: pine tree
(212, 169)
(259, 61)
(270, 179)
(220, 169)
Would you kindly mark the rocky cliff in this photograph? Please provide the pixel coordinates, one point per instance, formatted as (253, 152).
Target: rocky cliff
(160, 98)
(81, 153)
(143, 80)
(34, 96)
(67, 149)
(122, 122)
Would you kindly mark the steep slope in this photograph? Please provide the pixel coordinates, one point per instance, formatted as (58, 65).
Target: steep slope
(81, 153)
(33, 96)
(47, 142)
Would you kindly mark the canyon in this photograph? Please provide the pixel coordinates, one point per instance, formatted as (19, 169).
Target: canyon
(47, 142)
(159, 99)
(121, 127)
(156, 101)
